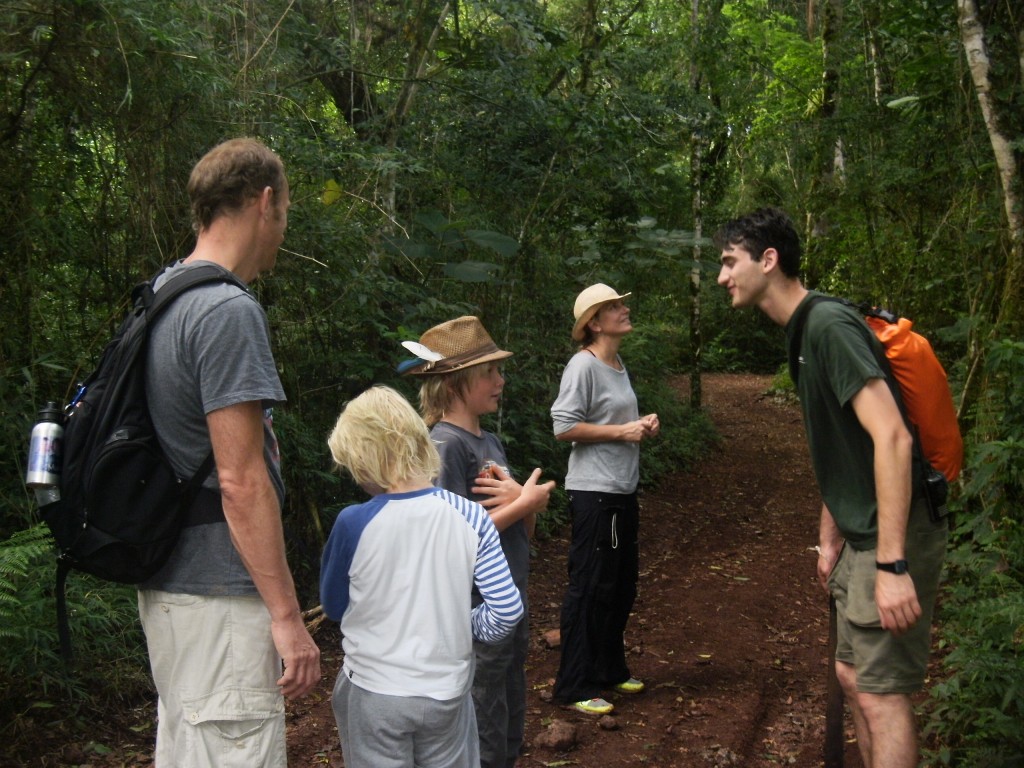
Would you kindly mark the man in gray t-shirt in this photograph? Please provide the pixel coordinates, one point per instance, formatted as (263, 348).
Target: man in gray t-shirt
(191, 372)
(221, 617)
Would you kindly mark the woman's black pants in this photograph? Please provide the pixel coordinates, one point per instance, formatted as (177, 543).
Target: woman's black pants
(604, 564)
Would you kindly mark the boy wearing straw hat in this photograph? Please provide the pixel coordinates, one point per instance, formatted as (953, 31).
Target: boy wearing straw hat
(461, 382)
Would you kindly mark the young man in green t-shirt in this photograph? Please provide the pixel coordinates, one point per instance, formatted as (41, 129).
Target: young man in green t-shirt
(880, 553)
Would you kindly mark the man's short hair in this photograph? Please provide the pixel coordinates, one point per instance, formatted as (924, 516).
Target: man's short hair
(763, 229)
(381, 440)
(229, 176)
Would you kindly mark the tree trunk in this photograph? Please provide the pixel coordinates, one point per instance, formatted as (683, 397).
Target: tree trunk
(831, 26)
(829, 159)
(874, 48)
(973, 36)
(419, 55)
(696, 175)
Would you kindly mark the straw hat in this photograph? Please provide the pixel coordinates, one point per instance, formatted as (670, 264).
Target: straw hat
(453, 346)
(589, 302)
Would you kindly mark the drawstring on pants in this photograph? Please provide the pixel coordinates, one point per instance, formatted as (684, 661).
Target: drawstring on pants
(615, 530)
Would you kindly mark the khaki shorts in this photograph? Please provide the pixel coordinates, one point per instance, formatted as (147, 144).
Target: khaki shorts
(883, 662)
(216, 669)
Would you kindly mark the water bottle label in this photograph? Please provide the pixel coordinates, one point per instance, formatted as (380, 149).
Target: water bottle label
(44, 454)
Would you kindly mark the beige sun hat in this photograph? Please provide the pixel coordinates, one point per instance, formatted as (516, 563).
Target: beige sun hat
(589, 302)
(452, 346)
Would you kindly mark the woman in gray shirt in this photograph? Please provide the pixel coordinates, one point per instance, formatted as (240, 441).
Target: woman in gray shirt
(596, 410)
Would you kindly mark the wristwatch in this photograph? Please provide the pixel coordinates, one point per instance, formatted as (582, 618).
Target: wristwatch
(898, 567)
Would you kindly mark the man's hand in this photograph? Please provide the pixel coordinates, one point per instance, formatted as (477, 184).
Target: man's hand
(897, 603)
(300, 655)
(830, 546)
(828, 555)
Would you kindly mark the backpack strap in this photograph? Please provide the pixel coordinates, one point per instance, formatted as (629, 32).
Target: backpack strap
(153, 303)
(60, 593)
(199, 508)
(797, 338)
(800, 320)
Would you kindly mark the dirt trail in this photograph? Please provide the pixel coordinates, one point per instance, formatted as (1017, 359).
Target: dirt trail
(730, 626)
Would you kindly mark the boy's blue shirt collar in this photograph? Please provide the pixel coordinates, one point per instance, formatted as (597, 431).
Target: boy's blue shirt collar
(407, 494)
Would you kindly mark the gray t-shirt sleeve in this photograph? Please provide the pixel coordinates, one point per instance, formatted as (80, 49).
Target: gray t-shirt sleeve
(232, 357)
(594, 393)
(574, 395)
(210, 350)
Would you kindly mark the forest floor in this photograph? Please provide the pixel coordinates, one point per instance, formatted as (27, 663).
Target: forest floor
(729, 630)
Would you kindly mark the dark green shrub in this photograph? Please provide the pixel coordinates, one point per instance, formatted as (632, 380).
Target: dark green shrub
(109, 648)
(975, 713)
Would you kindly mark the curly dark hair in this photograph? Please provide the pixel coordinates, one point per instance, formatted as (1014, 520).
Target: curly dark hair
(764, 228)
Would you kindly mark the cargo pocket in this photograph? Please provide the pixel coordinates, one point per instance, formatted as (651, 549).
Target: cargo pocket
(860, 602)
(235, 727)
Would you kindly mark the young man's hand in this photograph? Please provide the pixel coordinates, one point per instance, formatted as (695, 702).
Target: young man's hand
(897, 603)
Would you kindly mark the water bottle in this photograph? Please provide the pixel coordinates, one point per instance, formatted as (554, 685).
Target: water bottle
(44, 455)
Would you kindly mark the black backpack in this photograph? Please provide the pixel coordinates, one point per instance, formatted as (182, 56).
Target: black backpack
(121, 506)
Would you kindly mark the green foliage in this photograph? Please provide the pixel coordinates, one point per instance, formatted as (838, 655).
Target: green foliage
(738, 339)
(782, 386)
(685, 435)
(16, 558)
(975, 713)
(104, 627)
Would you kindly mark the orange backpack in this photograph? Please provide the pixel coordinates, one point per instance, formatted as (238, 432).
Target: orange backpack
(927, 400)
(924, 388)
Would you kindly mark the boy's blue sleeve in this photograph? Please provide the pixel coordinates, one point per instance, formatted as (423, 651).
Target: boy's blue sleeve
(502, 608)
(335, 565)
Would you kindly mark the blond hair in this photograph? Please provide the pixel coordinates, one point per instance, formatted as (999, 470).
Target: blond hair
(437, 393)
(381, 440)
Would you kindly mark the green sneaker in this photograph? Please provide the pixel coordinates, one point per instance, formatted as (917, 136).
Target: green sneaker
(630, 686)
(593, 707)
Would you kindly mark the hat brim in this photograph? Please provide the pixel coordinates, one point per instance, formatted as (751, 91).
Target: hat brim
(447, 365)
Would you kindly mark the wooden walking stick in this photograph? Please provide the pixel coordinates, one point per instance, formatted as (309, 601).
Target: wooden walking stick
(834, 698)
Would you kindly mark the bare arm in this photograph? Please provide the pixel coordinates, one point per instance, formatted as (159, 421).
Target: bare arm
(253, 515)
(878, 413)
(630, 432)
